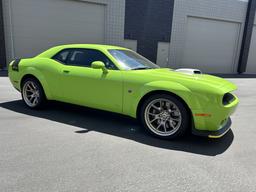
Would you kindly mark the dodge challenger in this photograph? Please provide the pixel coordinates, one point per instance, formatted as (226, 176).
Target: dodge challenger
(167, 102)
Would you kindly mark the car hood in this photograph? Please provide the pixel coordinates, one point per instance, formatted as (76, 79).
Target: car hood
(192, 80)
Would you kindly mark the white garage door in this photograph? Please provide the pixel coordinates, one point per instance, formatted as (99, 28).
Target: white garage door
(40, 24)
(210, 45)
(251, 65)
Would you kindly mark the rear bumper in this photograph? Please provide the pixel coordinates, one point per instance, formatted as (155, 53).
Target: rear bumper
(14, 76)
(214, 134)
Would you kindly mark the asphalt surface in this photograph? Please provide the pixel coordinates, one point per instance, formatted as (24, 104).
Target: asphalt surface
(70, 148)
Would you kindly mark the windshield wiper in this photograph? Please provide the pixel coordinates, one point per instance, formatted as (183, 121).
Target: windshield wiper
(141, 68)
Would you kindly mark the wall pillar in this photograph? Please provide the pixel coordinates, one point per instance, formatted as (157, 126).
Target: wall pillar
(247, 35)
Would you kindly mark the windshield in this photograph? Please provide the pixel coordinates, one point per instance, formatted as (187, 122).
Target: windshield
(130, 60)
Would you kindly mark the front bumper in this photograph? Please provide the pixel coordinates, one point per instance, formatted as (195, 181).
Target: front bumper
(214, 120)
(215, 134)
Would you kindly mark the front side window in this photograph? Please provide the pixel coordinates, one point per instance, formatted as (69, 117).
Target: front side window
(85, 58)
(131, 60)
(79, 58)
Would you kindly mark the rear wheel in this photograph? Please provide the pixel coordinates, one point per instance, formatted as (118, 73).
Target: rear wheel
(33, 93)
(164, 116)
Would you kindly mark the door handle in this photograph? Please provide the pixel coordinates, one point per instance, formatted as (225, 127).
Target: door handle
(65, 71)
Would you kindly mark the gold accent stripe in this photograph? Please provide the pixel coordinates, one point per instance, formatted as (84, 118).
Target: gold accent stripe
(218, 136)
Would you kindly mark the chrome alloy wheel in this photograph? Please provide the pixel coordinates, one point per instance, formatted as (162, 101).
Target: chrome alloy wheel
(31, 94)
(163, 117)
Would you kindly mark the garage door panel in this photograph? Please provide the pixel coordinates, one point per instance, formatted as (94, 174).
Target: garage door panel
(251, 65)
(211, 45)
(42, 24)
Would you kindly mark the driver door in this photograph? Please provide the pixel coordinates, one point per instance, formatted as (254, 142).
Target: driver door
(90, 87)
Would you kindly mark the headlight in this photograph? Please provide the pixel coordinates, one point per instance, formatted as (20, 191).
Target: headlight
(227, 98)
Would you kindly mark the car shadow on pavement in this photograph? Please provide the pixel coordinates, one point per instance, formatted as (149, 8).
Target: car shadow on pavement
(121, 126)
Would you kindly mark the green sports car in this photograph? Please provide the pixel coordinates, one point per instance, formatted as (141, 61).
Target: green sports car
(167, 102)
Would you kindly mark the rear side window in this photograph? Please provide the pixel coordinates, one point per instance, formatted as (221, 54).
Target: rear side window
(62, 56)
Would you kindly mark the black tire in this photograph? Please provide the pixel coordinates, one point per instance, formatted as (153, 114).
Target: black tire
(39, 90)
(183, 116)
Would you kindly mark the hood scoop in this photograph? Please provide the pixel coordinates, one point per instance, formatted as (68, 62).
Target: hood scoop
(189, 71)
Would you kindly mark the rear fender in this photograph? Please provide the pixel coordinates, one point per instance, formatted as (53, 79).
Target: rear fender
(33, 71)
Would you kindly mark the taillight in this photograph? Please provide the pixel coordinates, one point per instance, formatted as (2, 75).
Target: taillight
(15, 65)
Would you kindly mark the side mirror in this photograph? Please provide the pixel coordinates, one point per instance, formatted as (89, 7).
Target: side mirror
(99, 65)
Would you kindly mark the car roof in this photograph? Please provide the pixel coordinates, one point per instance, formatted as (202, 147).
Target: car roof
(95, 46)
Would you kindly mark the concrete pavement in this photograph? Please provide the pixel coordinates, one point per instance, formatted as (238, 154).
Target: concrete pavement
(70, 148)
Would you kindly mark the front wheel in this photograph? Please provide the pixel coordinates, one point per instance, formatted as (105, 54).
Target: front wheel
(164, 116)
(33, 93)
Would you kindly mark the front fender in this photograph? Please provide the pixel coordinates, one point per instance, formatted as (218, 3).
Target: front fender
(172, 87)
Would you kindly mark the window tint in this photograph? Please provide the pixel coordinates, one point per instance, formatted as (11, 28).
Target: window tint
(79, 58)
(85, 57)
(62, 56)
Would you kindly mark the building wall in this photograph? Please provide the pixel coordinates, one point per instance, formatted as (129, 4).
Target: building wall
(148, 22)
(219, 13)
(202, 34)
(17, 12)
